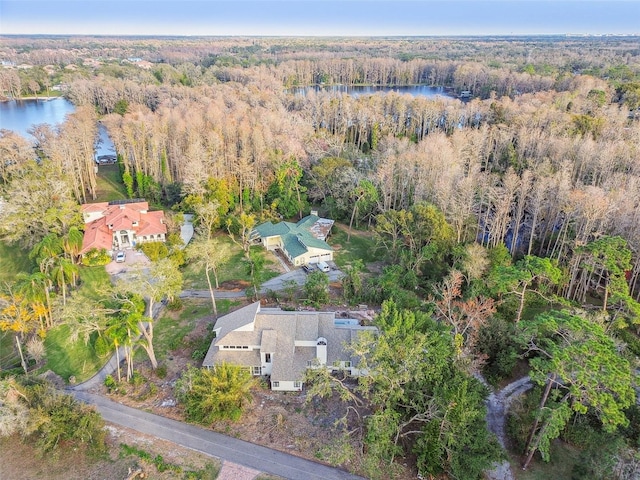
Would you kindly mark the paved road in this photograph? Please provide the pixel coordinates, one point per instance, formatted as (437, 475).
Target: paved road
(214, 444)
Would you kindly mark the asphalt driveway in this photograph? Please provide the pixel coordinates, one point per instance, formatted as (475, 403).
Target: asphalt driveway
(211, 443)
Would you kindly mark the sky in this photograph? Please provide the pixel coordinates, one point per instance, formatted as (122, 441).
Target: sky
(319, 17)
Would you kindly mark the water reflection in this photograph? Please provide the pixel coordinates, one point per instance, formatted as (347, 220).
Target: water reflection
(21, 115)
(359, 90)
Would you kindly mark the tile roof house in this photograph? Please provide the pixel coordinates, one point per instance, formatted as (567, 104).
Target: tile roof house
(303, 242)
(283, 344)
(121, 224)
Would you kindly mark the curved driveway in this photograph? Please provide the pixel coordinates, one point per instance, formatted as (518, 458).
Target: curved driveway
(211, 443)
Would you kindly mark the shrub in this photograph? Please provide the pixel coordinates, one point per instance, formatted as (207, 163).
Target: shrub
(49, 417)
(137, 379)
(216, 394)
(110, 383)
(96, 257)
(175, 304)
(154, 250)
(161, 371)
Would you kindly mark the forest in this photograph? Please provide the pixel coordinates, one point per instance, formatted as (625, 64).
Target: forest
(507, 224)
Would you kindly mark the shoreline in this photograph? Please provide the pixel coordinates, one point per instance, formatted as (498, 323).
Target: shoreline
(44, 98)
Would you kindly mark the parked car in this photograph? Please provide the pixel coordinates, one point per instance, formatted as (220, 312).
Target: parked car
(307, 268)
(324, 267)
(121, 257)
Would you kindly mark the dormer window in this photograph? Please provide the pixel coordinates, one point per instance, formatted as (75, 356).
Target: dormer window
(134, 223)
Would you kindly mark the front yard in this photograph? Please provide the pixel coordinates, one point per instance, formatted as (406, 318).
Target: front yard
(232, 272)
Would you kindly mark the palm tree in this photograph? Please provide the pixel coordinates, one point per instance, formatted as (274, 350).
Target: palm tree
(49, 247)
(35, 287)
(72, 244)
(63, 272)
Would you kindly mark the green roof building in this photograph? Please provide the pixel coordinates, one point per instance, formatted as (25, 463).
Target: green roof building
(302, 243)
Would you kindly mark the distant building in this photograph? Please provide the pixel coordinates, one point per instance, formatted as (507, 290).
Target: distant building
(283, 345)
(120, 225)
(302, 243)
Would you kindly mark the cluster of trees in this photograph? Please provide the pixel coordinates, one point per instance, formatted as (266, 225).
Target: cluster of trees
(525, 199)
(39, 413)
(413, 397)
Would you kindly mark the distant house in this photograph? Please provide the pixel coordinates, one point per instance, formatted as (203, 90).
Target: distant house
(303, 242)
(121, 224)
(282, 344)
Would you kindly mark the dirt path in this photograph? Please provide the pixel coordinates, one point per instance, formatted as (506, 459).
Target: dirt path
(498, 404)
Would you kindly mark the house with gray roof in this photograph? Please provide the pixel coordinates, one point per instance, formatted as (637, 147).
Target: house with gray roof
(302, 243)
(283, 344)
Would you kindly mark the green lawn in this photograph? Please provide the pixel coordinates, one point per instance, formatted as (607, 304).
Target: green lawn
(110, 186)
(93, 280)
(76, 358)
(234, 269)
(169, 331)
(361, 246)
(13, 260)
(70, 358)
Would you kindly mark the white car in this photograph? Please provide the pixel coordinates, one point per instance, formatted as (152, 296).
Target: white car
(121, 257)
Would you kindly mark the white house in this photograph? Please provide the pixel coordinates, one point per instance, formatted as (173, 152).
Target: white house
(283, 344)
(303, 242)
(121, 224)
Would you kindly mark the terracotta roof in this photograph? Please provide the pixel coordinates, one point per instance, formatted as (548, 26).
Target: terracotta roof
(97, 235)
(128, 216)
(151, 223)
(94, 207)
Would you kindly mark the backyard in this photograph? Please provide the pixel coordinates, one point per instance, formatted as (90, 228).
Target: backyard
(110, 186)
(361, 246)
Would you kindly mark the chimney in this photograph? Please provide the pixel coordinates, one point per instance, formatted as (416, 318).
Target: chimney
(321, 350)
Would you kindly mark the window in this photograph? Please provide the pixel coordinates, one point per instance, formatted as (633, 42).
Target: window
(296, 384)
(275, 384)
(347, 364)
(257, 370)
(309, 363)
(267, 358)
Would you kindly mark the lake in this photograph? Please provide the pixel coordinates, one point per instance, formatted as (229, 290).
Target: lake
(358, 90)
(21, 115)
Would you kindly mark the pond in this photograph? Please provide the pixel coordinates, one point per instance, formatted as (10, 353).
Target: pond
(359, 90)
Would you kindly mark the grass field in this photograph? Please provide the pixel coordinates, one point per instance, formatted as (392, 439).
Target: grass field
(234, 269)
(361, 246)
(68, 358)
(76, 358)
(93, 280)
(110, 186)
(171, 328)
(13, 260)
